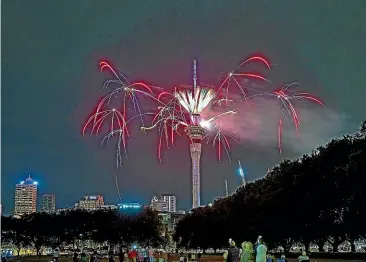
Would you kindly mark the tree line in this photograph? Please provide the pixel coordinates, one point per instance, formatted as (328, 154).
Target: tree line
(40, 230)
(317, 198)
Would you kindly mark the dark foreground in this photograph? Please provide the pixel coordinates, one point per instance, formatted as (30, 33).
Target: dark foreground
(205, 258)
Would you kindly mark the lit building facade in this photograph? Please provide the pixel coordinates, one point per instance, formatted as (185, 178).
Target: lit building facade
(164, 203)
(130, 208)
(91, 202)
(171, 219)
(25, 197)
(48, 203)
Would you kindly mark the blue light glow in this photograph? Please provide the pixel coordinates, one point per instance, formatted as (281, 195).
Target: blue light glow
(132, 205)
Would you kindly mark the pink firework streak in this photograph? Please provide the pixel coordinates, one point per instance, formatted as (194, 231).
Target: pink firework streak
(117, 116)
(287, 99)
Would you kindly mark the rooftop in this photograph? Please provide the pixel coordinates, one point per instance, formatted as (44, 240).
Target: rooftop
(29, 181)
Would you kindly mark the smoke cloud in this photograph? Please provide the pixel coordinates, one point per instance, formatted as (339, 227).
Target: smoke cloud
(257, 123)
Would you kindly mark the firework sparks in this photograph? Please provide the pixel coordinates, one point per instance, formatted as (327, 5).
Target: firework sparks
(118, 121)
(287, 98)
(235, 75)
(182, 108)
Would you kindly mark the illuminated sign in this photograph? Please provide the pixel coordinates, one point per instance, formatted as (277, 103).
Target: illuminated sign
(92, 197)
(130, 205)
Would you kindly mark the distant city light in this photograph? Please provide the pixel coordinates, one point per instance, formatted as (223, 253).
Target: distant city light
(92, 197)
(35, 183)
(125, 206)
(22, 182)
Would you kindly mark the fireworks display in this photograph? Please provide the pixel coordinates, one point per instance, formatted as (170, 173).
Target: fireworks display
(184, 107)
(187, 110)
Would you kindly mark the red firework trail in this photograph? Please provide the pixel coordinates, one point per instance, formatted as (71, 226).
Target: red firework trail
(287, 100)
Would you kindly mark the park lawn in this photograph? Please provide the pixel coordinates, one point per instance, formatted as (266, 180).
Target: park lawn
(66, 259)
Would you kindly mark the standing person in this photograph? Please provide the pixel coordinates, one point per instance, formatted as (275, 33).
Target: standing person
(247, 252)
(282, 259)
(133, 255)
(75, 257)
(140, 256)
(121, 255)
(111, 256)
(83, 257)
(161, 258)
(261, 251)
(303, 257)
(232, 254)
(94, 257)
(256, 245)
(56, 254)
(269, 258)
(126, 256)
(151, 255)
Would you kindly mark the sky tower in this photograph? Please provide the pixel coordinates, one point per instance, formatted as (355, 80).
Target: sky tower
(196, 134)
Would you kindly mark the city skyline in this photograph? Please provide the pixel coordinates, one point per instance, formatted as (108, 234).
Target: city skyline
(50, 81)
(46, 202)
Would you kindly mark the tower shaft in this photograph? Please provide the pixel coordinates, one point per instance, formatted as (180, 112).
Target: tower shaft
(196, 134)
(226, 189)
(195, 149)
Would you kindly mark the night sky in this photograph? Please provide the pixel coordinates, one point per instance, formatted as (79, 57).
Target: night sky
(50, 84)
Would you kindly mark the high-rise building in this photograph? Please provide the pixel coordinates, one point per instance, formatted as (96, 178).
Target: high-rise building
(91, 202)
(48, 203)
(164, 202)
(26, 197)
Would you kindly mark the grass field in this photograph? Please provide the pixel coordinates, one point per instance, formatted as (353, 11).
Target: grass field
(204, 258)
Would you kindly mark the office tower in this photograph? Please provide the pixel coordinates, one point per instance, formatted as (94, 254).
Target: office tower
(165, 202)
(48, 203)
(25, 197)
(91, 202)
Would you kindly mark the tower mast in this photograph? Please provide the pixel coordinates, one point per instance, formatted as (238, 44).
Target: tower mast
(194, 74)
(226, 189)
(196, 134)
(242, 175)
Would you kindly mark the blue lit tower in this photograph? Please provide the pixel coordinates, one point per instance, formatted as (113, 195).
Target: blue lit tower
(195, 133)
(242, 175)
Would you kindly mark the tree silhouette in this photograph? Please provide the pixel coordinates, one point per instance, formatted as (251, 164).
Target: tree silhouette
(41, 230)
(317, 198)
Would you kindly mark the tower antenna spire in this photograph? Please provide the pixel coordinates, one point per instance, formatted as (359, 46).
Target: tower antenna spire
(242, 175)
(226, 189)
(194, 74)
